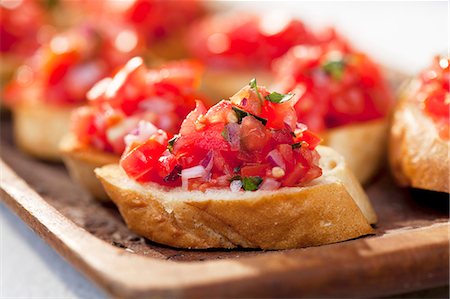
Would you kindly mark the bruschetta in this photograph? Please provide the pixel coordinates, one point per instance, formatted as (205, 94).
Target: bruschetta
(18, 36)
(136, 100)
(238, 46)
(53, 82)
(343, 96)
(242, 174)
(419, 138)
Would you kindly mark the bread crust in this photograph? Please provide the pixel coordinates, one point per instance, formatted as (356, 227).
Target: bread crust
(418, 157)
(362, 144)
(324, 212)
(39, 127)
(81, 162)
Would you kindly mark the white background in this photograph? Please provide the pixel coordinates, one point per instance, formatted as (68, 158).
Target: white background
(403, 35)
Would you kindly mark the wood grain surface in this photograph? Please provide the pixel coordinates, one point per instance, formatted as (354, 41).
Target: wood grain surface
(409, 251)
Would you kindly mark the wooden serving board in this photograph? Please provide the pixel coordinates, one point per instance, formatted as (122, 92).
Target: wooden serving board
(410, 250)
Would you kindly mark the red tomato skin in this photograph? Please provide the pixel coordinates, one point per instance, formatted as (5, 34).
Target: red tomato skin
(255, 170)
(142, 159)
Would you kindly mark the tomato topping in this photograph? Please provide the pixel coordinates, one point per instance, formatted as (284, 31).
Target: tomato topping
(434, 93)
(71, 62)
(143, 158)
(235, 144)
(245, 40)
(333, 84)
(160, 97)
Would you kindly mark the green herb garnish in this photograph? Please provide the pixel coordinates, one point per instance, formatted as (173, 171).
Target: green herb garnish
(276, 97)
(334, 68)
(171, 142)
(254, 85)
(251, 183)
(242, 113)
(296, 145)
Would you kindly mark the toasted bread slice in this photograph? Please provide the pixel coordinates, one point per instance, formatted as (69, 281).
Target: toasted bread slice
(39, 127)
(418, 157)
(81, 162)
(363, 146)
(330, 209)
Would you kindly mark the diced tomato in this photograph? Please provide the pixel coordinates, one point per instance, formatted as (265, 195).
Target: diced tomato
(253, 134)
(287, 154)
(184, 73)
(279, 115)
(293, 177)
(189, 124)
(438, 103)
(255, 170)
(82, 124)
(220, 113)
(312, 139)
(142, 159)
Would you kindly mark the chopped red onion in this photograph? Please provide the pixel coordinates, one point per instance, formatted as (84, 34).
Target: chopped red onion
(301, 127)
(190, 173)
(269, 184)
(208, 161)
(233, 135)
(142, 133)
(274, 157)
(121, 129)
(235, 186)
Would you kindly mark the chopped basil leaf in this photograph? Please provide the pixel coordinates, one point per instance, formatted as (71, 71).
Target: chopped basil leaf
(254, 85)
(296, 145)
(174, 174)
(334, 68)
(171, 142)
(251, 183)
(242, 113)
(276, 97)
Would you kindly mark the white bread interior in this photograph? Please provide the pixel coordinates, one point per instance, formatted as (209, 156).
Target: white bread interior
(81, 162)
(362, 144)
(39, 127)
(330, 209)
(418, 157)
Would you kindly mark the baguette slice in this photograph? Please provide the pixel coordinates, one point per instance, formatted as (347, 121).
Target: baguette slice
(332, 208)
(418, 157)
(81, 162)
(363, 146)
(39, 127)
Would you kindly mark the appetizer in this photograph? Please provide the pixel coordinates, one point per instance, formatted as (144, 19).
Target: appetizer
(236, 46)
(55, 80)
(342, 95)
(136, 100)
(242, 174)
(160, 24)
(18, 35)
(419, 133)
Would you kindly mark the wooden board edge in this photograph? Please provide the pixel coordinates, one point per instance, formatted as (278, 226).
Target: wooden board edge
(126, 275)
